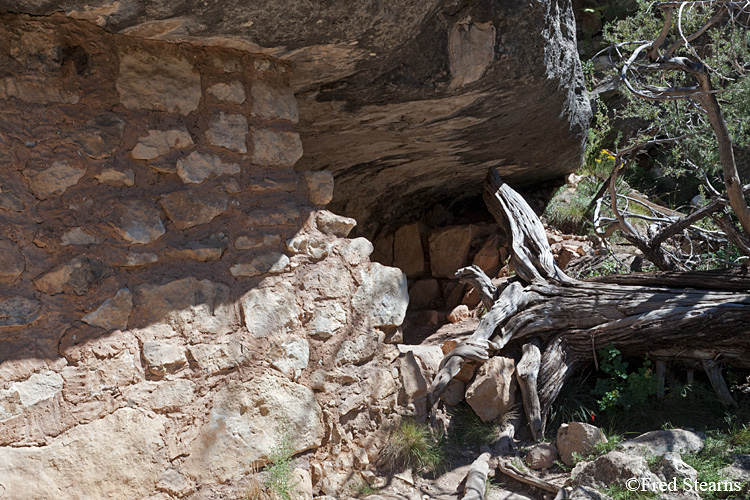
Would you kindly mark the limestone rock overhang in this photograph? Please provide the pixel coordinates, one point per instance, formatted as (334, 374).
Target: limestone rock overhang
(407, 102)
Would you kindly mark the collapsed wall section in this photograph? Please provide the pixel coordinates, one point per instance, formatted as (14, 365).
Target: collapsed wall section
(173, 297)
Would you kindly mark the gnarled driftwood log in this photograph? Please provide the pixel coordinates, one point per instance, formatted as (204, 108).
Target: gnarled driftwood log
(694, 317)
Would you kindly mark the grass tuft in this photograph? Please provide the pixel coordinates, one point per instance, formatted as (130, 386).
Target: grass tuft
(412, 445)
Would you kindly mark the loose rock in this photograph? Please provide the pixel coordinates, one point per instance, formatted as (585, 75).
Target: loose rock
(492, 393)
(577, 437)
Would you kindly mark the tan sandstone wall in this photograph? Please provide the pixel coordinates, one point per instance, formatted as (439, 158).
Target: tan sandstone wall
(173, 298)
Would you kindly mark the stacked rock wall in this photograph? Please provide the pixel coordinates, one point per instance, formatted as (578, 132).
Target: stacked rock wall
(173, 298)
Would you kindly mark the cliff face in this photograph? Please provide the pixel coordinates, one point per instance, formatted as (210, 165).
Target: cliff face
(407, 102)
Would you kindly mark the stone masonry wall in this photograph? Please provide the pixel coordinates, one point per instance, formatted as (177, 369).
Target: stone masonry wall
(173, 297)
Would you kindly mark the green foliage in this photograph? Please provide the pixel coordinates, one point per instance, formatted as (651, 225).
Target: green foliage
(574, 404)
(608, 266)
(568, 208)
(599, 449)
(665, 171)
(621, 387)
(613, 441)
(412, 445)
(362, 489)
(279, 480)
(716, 455)
(469, 430)
(619, 492)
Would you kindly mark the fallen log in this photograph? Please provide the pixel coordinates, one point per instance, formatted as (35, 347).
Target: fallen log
(674, 317)
(476, 479)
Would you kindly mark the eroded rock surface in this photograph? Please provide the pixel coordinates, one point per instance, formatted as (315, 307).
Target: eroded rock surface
(408, 101)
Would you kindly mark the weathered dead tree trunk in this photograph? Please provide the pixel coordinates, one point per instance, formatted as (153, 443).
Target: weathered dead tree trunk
(476, 479)
(690, 317)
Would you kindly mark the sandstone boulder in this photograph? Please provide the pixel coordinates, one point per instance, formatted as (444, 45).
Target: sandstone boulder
(356, 251)
(290, 356)
(99, 136)
(382, 296)
(171, 395)
(274, 102)
(192, 208)
(336, 225)
(191, 304)
(657, 443)
(55, 179)
(78, 236)
(116, 177)
(541, 456)
(163, 357)
(229, 131)
(197, 167)
(275, 148)
(449, 250)
(22, 395)
(454, 392)
(458, 314)
(488, 256)
(220, 357)
(615, 467)
(413, 380)
(359, 349)
(12, 262)
(228, 92)
(492, 393)
(267, 263)
(577, 437)
(137, 222)
(408, 254)
(328, 319)
(18, 311)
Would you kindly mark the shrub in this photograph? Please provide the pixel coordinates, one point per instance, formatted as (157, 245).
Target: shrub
(279, 471)
(623, 388)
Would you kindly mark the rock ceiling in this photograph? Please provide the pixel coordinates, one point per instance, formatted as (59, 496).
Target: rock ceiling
(407, 102)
